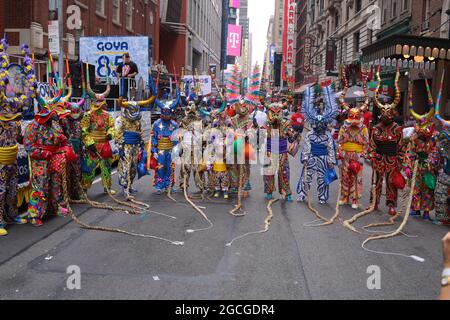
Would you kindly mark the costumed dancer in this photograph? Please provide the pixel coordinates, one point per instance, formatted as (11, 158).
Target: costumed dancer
(129, 139)
(164, 138)
(71, 124)
(217, 137)
(242, 124)
(191, 133)
(319, 151)
(386, 150)
(353, 141)
(49, 151)
(442, 193)
(97, 132)
(423, 147)
(279, 132)
(11, 136)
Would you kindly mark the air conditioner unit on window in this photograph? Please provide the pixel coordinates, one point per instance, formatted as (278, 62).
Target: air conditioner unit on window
(426, 25)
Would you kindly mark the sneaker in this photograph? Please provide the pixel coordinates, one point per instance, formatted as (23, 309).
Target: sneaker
(269, 196)
(217, 194)
(392, 211)
(322, 202)
(226, 196)
(415, 214)
(159, 192)
(426, 216)
(36, 222)
(20, 221)
(301, 199)
(355, 205)
(133, 190)
(3, 231)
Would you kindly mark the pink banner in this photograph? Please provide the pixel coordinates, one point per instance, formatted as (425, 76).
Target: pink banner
(235, 4)
(234, 40)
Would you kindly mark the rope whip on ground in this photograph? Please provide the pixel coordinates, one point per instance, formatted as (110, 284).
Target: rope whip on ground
(267, 223)
(238, 206)
(310, 207)
(104, 229)
(371, 209)
(197, 208)
(402, 225)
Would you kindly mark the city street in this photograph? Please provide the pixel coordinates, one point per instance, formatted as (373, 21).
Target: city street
(291, 261)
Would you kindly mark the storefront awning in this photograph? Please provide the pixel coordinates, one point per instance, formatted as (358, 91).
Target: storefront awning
(414, 49)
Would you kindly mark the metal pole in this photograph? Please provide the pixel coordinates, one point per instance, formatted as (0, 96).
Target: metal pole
(61, 39)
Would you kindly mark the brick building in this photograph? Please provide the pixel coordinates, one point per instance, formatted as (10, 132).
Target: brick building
(191, 31)
(99, 17)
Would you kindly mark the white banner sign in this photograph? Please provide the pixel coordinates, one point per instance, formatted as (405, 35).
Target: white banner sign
(53, 36)
(106, 53)
(205, 83)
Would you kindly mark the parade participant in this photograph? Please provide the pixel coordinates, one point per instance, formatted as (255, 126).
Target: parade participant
(49, 152)
(352, 142)
(191, 129)
(242, 125)
(11, 136)
(386, 149)
(129, 139)
(70, 120)
(319, 151)
(163, 139)
(422, 147)
(442, 193)
(97, 131)
(279, 131)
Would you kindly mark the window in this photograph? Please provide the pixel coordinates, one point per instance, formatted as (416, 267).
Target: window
(356, 45)
(336, 20)
(347, 17)
(405, 5)
(129, 15)
(394, 9)
(426, 15)
(100, 7)
(358, 6)
(116, 11)
(369, 36)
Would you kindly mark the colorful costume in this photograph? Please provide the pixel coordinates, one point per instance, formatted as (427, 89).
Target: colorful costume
(242, 124)
(130, 142)
(217, 138)
(191, 129)
(277, 148)
(422, 147)
(10, 137)
(97, 131)
(353, 141)
(386, 150)
(71, 115)
(164, 138)
(442, 193)
(319, 151)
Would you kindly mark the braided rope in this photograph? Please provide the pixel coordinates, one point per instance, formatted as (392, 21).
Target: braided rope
(399, 230)
(238, 206)
(197, 208)
(310, 207)
(267, 223)
(104, 229)
(371, 209)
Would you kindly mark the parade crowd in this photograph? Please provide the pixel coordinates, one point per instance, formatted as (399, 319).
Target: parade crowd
(218, 139)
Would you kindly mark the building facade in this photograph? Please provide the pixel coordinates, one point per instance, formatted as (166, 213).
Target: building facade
(98, 18)
(192, 33)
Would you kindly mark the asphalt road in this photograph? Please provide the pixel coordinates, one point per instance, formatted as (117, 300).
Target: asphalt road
(291, 261)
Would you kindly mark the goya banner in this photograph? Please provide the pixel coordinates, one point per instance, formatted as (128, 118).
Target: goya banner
(106, 53)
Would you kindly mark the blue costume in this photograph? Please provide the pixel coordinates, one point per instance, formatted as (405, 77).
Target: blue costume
(319, 150)
(164, 139)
